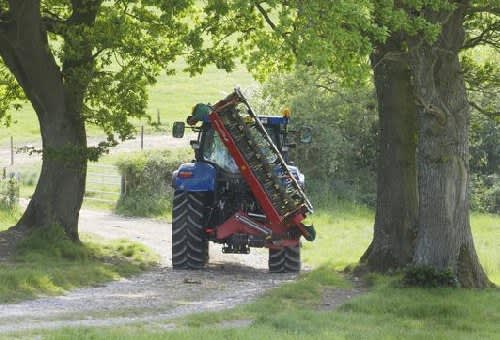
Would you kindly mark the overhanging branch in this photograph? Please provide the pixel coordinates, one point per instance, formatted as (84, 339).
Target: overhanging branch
(274, 27)
(484, 9)
(264, 13)
(489, 36)
(481, 110)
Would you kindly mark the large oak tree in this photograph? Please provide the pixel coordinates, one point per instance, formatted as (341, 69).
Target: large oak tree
(337, 38)
(80, 62)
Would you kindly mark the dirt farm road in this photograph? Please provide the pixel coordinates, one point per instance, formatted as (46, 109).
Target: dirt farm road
(153, 297)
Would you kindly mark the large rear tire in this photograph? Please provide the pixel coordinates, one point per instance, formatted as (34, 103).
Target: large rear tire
(189, 240)
(285, 260)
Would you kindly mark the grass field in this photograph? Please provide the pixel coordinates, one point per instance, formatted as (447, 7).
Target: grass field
(172, 96)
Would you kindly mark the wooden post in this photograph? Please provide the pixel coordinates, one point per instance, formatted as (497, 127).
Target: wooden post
(123, 186)
(11, 150)
(158, 117)
(142, 137)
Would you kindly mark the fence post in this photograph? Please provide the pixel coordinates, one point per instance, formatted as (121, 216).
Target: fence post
(123, 186)
(11, 150)
(158, 117)
(142, 137)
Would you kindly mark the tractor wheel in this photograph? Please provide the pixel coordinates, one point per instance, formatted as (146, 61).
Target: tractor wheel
(189, 240)
(285, 260)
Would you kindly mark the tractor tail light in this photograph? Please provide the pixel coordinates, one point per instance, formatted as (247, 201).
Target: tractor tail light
(185, 174)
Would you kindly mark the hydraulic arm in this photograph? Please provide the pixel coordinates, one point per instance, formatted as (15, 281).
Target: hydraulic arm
(262, 166)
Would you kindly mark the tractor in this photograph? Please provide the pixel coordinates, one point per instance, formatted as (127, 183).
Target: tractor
(240, 190)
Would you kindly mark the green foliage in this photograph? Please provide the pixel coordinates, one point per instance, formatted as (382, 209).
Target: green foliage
(485, 193)
(148, 177)
(8, 217)
(37, 269)
(9, 193)
(484, 138)
(429, 277)
(10, 94)
(341, 160)
(274, 35)
(163, 96)
(484, 141)
(110, 52)
(116, 54)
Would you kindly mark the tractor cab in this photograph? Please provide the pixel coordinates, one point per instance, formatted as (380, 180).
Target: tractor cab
(209, 147)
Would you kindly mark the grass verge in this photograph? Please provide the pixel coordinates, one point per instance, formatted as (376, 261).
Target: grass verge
(8, 218)
(296, 310)
(36, 269)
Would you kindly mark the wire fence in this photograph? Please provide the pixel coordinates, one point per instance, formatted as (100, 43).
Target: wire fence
(104, 182)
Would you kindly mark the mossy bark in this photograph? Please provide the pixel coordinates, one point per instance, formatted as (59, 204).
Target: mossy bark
(396, 209)
(444, 240)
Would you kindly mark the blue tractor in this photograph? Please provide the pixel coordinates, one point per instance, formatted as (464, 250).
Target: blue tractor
(240, 190)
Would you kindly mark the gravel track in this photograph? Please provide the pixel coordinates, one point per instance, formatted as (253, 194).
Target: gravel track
(155, 296)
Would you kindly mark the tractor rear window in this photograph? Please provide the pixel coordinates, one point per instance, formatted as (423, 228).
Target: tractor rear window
(216, 152)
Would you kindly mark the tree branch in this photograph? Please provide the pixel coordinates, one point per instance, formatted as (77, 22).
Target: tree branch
(54, 25)
(4, 21)
(273, 26)
(488, 36)
(266, 16)
(484, 9)
(483, 111)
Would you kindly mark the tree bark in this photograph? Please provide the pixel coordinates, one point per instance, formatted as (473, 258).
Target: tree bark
(59, 193)
(396, 208)
(444, 239)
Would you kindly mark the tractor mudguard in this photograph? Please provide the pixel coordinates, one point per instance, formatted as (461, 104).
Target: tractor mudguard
(194, 177)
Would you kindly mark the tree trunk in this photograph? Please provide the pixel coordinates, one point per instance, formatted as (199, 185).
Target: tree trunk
(396, 210)
(59, 192)
(444, 239)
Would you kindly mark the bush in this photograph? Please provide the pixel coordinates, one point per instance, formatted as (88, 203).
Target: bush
(341, 160)
(484, 144)
(9, 193)
(148, 176)
(485, 193)
(429, 277)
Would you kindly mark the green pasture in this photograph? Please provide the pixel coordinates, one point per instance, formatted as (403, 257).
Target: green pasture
(173, 97)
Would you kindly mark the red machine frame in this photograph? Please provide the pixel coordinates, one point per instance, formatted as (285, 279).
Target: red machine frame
(275, 228)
